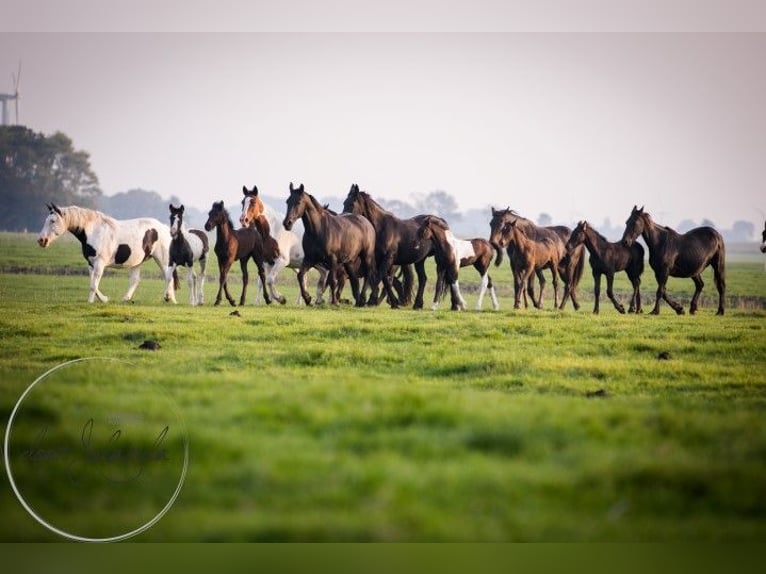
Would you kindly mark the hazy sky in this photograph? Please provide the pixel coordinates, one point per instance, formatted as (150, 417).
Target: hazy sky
(578, 125)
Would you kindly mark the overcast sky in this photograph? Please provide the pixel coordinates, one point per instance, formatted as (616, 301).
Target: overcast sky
(578, 125)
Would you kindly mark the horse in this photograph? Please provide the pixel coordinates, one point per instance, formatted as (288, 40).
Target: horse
(530, 255)
(396, 243)
(763, 239)
(289, 243)
(186, 247)
(607, 258)
(477, 252)
(332, 241)
(570, 267)
(108, 242)
(232, 245)
(672, 254)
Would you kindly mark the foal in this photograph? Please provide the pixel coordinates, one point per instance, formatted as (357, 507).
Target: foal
(477, 252)
(527, 257)
(186, 247)
(232, 245)
(607, 258)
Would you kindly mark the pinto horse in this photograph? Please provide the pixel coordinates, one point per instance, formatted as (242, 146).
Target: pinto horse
(607, 258)
(232, 245)
(186, 247)
(108, 242)
(672, 254)
(570, 267)
(449, 251)
(290, 243)
(344, 241)
(396, 243)
(530, 255)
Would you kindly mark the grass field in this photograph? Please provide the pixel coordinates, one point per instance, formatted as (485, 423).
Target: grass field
(344, 424)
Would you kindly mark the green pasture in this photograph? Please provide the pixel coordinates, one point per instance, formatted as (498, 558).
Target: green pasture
(345, 424)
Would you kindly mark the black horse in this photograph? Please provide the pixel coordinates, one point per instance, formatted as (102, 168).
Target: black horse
(336, 242)
(607, 258)
(763, 239)
(396, 243)
(672, 254)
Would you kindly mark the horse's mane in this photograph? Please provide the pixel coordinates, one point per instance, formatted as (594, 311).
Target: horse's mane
(78, 217)
(437, 221)
(594, 230)
(368, 199)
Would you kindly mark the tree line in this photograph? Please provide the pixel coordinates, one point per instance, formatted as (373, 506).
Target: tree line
(36, 169)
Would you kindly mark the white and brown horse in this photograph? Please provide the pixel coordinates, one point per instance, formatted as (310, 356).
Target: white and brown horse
(108, 242)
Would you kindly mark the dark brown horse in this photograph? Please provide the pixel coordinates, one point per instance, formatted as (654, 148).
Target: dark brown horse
(332, 241)
(232, 245)
(570, 267)
(672, 254)
(763, 239)
(529, 255)
(477, 252)
(607, 258)
(396, 243)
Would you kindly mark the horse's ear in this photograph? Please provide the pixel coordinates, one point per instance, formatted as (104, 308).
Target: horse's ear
(181, 208)
(255, 190)
(244, 190)
(291, 187)
(55, 208)
(300, 188)
(584, 225)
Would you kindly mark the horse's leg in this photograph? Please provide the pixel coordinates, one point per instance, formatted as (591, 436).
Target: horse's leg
(271, 279)
(519, 283)
(223, 270)
(302, 282)
(635, 300)
(610, 293)
(698, 285)
(555, 288)
(133, 277)
(492, 294)
(201, 281)
(384, 274)
(191, 281)
(482, 290)
(596, 292)
(96, 272)
(420, 269)
(354, 280)
(262, 280)
(541, 278)
(245, 281)
(662, 279)
(458, 303)
(170, 292)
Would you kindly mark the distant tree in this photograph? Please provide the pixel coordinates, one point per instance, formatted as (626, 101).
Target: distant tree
(36, 169)
(544, 220)
(685, 226)
(439, 203)
(401, 209)
(741, 231)
(707, 222)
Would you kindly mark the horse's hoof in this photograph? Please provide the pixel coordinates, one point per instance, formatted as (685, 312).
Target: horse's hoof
(681, 312)
(282, 300)
(719, 312)
(654, 312)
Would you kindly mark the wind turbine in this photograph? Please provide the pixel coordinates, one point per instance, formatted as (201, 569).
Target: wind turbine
(14, 97)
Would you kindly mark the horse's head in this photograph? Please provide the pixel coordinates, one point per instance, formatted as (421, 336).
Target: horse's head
(635, 225)
(176, 219)
(500, 227)
(216, 216)
(578, 236)
(296, 205)
(352, 204)
(252, 206)
(53, 226)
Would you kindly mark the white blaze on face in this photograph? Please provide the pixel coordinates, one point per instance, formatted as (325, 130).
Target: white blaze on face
(175, 226)
(52, 228)
(245, 208)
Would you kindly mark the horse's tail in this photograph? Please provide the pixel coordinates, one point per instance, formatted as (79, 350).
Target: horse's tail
(579, 267)
(498, 254)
